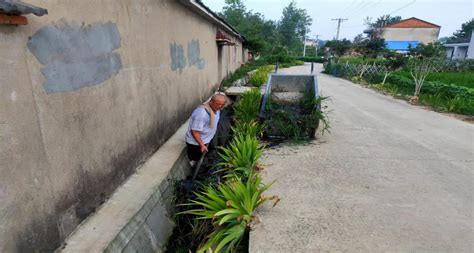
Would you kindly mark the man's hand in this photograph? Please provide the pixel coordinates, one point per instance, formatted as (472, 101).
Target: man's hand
(203, 148)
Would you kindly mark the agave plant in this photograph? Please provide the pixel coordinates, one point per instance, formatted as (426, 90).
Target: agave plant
(241, 156)
(248, 106)
(230, 206)
(252, 128)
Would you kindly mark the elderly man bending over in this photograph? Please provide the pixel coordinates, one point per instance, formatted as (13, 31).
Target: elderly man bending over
(203, 126)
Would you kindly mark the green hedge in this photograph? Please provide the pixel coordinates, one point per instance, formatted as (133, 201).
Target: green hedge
(312, 59)
(359, 60)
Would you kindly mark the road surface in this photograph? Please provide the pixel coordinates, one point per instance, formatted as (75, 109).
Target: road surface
(391, 177)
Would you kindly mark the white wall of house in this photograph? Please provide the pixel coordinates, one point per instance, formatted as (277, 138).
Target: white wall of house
(456, 51)
(424, 35)
(470, 52)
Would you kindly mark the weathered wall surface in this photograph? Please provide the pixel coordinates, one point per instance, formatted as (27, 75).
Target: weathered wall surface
(470, 51)
(424, 35)
(86, 93)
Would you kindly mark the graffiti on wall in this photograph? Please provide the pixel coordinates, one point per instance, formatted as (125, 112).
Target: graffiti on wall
(74, 57)
(178, 60)
(194, 54)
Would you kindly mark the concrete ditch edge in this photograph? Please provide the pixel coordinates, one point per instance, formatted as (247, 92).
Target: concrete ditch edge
(138, 215)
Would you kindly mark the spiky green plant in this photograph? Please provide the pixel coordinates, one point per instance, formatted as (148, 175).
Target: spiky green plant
(259, 78)
(230, 206)
(247, 107)
(241, 156)
(252, 128)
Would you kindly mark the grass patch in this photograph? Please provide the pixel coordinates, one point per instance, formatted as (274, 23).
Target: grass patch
(465, 79)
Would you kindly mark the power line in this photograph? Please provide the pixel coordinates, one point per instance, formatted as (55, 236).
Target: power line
(403, 7)
(360, 10)
(339, 21)
(348, 8)
(356, 8)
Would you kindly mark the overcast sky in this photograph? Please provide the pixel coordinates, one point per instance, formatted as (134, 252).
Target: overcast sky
(449, 14)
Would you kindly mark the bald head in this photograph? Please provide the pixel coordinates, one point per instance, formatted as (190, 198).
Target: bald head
(218, 97)
(217, 102)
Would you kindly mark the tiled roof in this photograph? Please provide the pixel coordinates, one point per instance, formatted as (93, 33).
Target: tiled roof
(412, 23)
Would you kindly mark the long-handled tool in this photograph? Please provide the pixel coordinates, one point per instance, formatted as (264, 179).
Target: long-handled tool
(198, 166)
(187, 184)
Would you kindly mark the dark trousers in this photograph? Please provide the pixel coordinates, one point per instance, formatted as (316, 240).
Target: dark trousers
(194, 152)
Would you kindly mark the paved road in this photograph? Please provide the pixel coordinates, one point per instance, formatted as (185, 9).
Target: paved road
(391, 177)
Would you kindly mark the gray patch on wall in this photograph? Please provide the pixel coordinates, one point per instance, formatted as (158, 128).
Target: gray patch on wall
(178, 61)
(194, 55)
(76, 56)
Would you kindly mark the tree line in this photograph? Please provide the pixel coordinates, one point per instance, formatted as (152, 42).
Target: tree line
(265, 36)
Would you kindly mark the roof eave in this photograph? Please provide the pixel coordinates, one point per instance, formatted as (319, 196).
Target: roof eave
(390, 26)
(198, 7)
(16, 7)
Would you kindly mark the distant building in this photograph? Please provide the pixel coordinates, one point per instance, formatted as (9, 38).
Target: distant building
(460, 50)
(399, 36)
(311, 42)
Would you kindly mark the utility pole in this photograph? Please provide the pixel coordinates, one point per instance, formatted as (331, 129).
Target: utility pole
(339, 21)
(304, 43)
(317, 44)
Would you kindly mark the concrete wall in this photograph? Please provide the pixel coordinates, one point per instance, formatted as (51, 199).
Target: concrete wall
(87, 93)
(424, 35)
(470, 51)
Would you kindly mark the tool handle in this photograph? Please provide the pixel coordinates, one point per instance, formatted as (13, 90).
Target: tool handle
(198, 166)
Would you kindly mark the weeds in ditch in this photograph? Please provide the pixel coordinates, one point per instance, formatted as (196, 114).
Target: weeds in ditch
(230, 208)
(241, 156)
(252, 128)
(298, 123)
(248, 106)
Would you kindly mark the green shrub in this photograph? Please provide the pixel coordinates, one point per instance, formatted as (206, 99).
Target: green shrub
(280, 58)
(359, 60)
(312, 59)
(252, 128)
(247, 107)
(241, 156)
(230, 206)
(335, 69)
(258, 79)
(299, 63)
(456, 105)
(296, 124)
(464, 65)
(240, 73)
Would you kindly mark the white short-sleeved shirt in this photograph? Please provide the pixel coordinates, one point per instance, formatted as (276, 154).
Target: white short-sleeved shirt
(199, 121)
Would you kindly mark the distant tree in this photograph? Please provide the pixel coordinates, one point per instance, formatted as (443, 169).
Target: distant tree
(358, 39)
(423, 59)
(260, 33)
(338, 47)
(370, 48)
(464, 33)
(234, 13)
(431, 51)
(443, 40)
(393, 62)
(292, 27)
(379, 23)
(382, 21)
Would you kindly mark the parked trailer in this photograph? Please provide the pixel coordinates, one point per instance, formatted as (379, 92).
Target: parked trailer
(288, 91)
